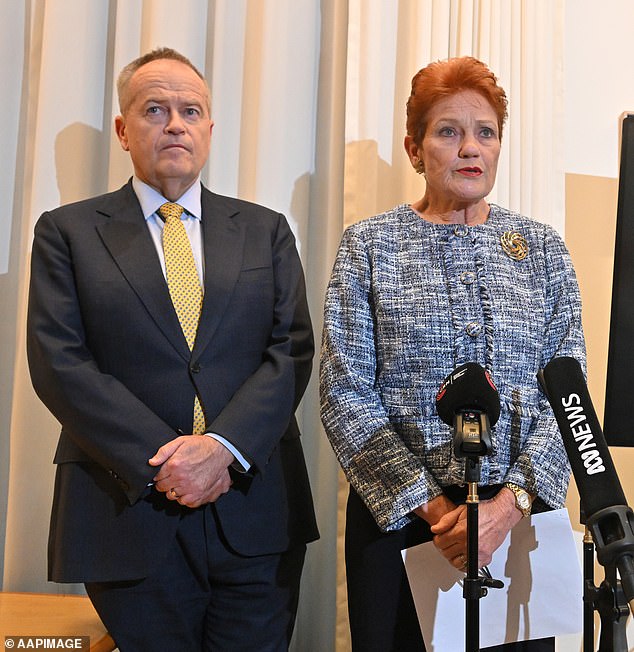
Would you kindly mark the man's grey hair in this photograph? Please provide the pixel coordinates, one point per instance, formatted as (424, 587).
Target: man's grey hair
(125, 75)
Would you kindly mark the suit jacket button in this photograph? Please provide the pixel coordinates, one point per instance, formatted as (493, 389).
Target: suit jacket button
(195, 368)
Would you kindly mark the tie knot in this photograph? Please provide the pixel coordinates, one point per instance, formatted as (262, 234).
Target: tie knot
(168, 209)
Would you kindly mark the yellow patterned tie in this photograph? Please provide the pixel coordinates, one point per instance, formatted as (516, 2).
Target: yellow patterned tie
(183, 284)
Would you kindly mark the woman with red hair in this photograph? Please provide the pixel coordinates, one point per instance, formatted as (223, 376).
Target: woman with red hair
(416, 292)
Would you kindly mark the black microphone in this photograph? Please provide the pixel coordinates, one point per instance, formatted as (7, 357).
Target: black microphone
(608, 516)
(469, 402)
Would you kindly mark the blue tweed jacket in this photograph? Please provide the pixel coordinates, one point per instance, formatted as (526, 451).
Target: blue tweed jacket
(408, 301)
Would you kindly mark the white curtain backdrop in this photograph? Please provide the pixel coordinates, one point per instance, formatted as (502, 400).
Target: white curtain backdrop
(309, 108)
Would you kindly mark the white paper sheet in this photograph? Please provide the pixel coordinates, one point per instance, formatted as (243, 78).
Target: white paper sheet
(542, 594)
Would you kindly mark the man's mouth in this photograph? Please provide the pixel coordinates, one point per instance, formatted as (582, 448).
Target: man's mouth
(175, 146)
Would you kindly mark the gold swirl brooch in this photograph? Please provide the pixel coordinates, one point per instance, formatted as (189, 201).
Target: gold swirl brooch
(514, 245)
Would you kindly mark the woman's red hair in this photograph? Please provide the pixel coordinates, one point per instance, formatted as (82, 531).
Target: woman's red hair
(445, 78)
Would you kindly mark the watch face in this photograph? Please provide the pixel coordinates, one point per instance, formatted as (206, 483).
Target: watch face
(523, 500)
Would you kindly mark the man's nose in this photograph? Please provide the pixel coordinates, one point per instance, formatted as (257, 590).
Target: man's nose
(175, 123)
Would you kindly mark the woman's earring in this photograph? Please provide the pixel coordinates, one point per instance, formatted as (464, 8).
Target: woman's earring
(419, 167)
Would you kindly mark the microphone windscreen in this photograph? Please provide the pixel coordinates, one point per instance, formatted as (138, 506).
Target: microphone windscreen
(592, 466)
(468, 387)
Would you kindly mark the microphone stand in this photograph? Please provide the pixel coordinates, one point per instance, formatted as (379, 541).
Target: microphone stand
(472, 440)
(609, 598)
(589, 589)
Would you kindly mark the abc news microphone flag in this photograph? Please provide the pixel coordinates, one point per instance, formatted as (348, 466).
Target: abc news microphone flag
(607, 514)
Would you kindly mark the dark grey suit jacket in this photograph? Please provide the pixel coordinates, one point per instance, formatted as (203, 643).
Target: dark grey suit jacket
(108, 358)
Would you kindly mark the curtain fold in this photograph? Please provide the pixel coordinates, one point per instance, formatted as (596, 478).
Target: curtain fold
(319, 620)
(308, 99)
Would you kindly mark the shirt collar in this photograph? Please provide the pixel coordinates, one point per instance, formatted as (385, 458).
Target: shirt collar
(151, 200)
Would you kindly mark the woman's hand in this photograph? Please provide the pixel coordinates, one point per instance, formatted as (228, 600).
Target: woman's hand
(443, 515)
(451, 536)
(435, 509)
(496, 517)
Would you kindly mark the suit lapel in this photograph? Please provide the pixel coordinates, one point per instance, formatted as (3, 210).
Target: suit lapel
(223, 239)
(128, 240)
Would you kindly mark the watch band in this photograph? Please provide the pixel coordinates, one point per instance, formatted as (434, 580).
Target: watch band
(523, 500)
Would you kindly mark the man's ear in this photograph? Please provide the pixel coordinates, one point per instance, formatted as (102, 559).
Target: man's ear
(120, 130)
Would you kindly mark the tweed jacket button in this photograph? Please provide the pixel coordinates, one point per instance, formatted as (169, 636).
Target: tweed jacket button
(467, 278)
(473, 329)
(461, 230)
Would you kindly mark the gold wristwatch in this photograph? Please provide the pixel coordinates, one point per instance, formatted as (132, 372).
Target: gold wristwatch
(523, 500)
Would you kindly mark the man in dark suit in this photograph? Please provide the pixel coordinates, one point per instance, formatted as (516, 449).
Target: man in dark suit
(188, 534)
